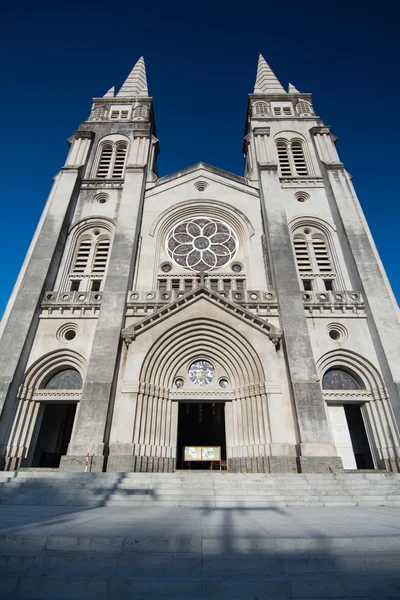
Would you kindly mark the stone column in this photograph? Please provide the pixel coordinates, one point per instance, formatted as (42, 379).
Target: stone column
(316, 448)
(38, 274)
(94, 412)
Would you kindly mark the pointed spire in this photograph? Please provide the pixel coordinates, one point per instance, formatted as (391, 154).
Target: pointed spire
(110, 93)
(266, 82)
(136, 82)
(293, 90)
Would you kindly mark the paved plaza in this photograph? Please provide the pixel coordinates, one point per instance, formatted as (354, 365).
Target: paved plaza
(207, 553)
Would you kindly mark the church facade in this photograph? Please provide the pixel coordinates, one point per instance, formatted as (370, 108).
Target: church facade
(155, 315)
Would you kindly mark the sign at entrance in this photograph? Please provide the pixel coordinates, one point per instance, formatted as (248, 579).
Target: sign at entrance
(202, 453)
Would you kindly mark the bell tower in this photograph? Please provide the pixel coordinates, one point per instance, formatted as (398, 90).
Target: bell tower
(322, 258)
(80, 264)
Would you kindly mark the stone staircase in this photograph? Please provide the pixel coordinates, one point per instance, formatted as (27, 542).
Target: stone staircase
(197, 489)
(199, 536)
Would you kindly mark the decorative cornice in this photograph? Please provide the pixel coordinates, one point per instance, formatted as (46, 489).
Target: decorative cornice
(239, 312)
(261, 130)
(333, 166)
(268, 166)
(320, 130)
(84, 134)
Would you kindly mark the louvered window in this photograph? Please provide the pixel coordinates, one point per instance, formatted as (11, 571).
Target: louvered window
(302, 255)
(313, 259)
(291, 158)
(105, 161)
(101, 256)
(112, 160)
(260, 109)
(283, 156)
(287, 111)
(277, 111)
(321, 255)
(82, 256)
(119, 162)
(298, 158)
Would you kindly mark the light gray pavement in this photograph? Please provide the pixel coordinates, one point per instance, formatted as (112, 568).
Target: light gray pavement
(203, 553)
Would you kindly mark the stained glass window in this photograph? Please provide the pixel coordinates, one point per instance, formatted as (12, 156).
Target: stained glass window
(337, 379)
(69, 379)
(202, 244)
(201, 372)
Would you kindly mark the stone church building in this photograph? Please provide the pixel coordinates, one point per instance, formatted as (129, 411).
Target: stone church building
(201, 308)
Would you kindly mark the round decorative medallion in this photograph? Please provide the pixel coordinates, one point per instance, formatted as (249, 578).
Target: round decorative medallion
(202, 244)
(201, 372)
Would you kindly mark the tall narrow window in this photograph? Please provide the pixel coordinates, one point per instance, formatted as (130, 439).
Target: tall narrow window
(298, 158)
(105, 161)
(119, 163)
(292, 161)
(313, 259)
(112, 160)
(283, 156)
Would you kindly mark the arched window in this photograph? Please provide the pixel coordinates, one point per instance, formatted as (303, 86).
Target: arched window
(304, 109)
(67, 379)
(313, 259)
(261, 109)
(112, 160)
(90, 260)
(338, 379)
(140, 112)
(99, 112)
(292, 161)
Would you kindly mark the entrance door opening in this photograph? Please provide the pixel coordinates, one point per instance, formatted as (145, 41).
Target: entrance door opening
(54, 434)
(200, 424)
(358, 435)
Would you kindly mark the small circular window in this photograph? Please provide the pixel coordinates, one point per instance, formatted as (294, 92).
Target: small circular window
(201, 372)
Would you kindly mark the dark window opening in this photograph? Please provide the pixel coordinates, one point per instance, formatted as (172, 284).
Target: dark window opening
(74, 286)
(307, 285)
(96, 286)
(328, 285)
(175, 284)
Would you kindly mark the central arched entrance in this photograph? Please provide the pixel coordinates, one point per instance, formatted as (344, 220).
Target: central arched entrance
(179, 406)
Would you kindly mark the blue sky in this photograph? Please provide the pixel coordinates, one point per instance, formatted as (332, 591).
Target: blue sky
(201, 62)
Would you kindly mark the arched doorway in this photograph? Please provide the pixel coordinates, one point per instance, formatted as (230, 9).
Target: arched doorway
(55, 419)
(347, 419)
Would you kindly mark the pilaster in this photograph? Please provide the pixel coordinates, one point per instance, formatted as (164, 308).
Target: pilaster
(366, 265)
(93, 418)
(313, 431)
(37, 274)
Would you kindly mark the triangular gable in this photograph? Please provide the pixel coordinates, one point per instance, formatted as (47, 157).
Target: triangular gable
(204, 171)
(272, 332)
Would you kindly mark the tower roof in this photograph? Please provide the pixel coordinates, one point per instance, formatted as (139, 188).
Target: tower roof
(266, 82)
(136, 82)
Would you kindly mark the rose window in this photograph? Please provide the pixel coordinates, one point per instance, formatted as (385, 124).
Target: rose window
(201, 372)
(202, 244)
